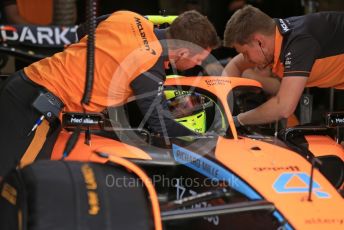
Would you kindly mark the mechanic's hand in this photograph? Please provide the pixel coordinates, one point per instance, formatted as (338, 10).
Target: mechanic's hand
(237, 122)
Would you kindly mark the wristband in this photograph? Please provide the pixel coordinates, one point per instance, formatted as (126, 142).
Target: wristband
(236, 122)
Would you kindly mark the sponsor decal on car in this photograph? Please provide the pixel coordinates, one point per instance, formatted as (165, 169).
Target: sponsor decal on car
(212, 170)
(284, 184)
(292, 168)
(217, 82)
(319, 220)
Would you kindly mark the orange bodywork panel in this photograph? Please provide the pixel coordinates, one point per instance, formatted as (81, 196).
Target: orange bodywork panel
(263, 165)
(84, 152)
(324, 146)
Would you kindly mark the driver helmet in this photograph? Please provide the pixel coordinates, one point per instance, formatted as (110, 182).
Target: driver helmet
(187, 109)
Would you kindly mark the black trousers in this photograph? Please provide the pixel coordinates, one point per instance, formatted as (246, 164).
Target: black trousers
(17, 117)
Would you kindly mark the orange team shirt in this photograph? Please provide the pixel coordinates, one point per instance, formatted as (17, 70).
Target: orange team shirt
(126, 46)
(311, 46)
(39, 12)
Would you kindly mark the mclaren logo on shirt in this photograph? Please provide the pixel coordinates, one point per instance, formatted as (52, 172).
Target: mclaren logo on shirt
(143, 36)
(284, 25)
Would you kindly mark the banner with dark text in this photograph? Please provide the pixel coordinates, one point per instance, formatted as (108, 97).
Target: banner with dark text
(38, 36)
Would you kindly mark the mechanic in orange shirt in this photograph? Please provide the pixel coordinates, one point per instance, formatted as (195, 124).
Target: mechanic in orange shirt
(38, 12)
(130, 61)
(304, 51)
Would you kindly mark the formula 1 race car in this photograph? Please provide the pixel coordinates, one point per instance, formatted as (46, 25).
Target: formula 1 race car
(247, 178)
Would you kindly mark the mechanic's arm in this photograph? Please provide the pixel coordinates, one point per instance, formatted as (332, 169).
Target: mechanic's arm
(301, 55)
(237, 66)
(269, 83)
(12, 15)
(149, 96)
(280, 106)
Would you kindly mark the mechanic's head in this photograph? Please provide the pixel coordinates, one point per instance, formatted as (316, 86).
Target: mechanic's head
(252, 33)
(191, 37)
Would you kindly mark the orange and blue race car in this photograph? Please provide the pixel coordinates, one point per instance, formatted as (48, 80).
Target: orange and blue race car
(247, 178)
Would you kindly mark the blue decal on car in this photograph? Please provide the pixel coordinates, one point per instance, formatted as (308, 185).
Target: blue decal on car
(212, 170)
(281, 184)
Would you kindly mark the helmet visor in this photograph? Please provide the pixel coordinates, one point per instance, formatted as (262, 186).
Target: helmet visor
(185, 105)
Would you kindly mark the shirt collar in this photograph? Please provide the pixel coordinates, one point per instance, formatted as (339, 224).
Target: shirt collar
(161, 35)
(278, 47)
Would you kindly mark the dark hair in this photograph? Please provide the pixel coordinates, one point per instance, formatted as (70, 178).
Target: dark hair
(195, 28)
(244, 23)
